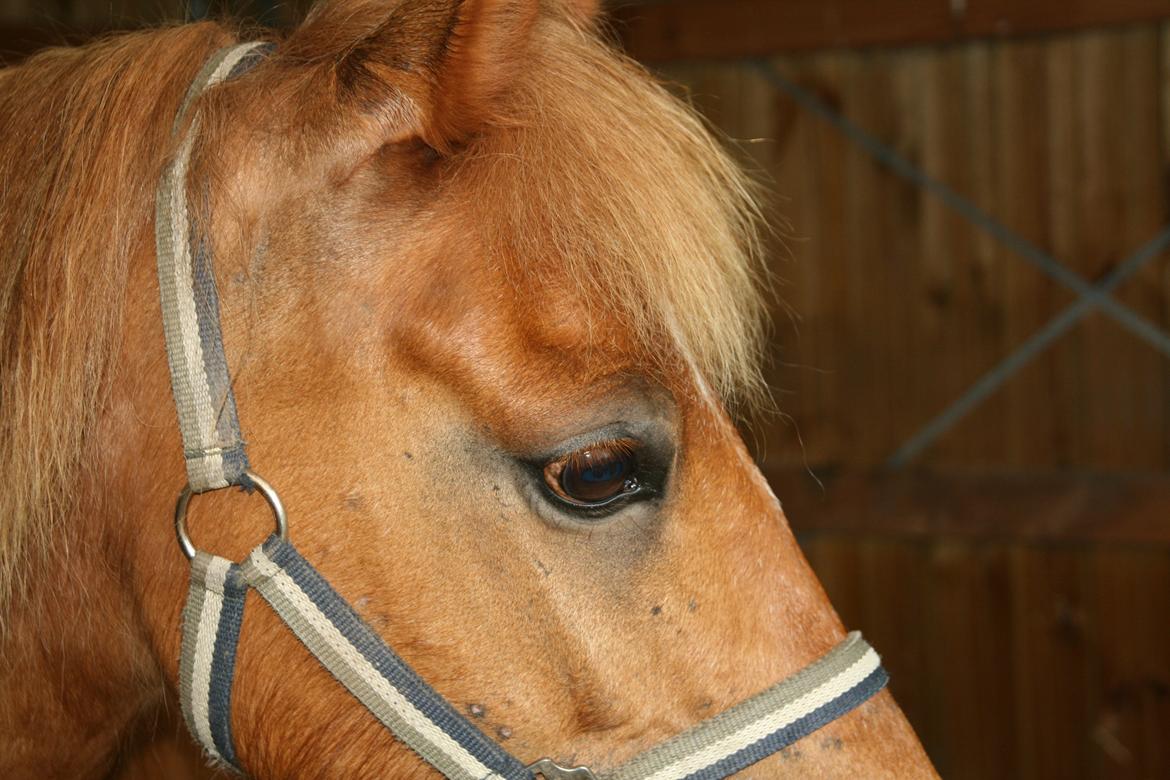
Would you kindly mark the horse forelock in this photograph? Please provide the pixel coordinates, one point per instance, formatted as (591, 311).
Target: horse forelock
(601, 177)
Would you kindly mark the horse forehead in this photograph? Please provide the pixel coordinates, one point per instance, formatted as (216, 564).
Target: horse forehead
(499, 302)
(497, 327)
(518, 349)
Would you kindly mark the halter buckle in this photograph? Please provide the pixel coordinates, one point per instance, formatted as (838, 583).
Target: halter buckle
(550, 770)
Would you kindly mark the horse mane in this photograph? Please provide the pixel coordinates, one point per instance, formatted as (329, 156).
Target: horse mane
(594, 167)
(83, 136)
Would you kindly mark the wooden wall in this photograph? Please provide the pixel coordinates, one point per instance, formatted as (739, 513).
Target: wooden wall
(1016, 660)
(1017, 578)
(901, 304)
(73, 14)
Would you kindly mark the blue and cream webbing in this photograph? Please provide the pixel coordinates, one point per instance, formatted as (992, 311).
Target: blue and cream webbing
(333, 632)
(207, 662)
(212, 444)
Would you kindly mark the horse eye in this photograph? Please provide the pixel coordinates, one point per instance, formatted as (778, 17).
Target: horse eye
(595, 475)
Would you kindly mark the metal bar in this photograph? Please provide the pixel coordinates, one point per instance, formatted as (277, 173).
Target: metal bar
(1037, 257)
(997, 376)
(198, 10)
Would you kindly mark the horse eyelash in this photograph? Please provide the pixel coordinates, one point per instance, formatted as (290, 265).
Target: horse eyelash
(623, 446)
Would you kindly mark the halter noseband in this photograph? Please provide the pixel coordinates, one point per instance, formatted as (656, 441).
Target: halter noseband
(333, 632)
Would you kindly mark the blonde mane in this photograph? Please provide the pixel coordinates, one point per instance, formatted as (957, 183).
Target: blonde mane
(85, 132)
(645, 209)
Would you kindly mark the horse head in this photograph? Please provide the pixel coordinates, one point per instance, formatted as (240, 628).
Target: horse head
(490, 295)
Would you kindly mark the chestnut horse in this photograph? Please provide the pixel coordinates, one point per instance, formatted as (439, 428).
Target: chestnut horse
(487, 292)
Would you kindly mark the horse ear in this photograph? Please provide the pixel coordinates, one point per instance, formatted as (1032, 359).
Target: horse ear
(436, 69)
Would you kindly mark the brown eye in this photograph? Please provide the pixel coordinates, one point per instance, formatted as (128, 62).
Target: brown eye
(595, 474)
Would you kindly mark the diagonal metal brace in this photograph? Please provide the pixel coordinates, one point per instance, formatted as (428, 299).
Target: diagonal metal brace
(1090, 296)
(1037, 257)
(1020, 356)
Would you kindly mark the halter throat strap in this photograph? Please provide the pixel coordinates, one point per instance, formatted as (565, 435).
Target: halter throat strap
(417, 715)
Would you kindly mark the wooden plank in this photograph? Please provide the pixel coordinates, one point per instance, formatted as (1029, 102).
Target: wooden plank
(1011, 17)
(969, 601)
(1128, 595)
(1124, 421)
(1040, 507)
(709, 29)
(715, 29)
(1051, 632)
(1016, 659)
(960, 312)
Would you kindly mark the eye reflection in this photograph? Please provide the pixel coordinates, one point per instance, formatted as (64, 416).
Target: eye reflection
(596, 474)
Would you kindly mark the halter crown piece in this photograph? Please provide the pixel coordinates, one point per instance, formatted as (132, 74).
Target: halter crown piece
(333, 632)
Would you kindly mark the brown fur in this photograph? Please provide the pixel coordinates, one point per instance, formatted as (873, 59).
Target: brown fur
(449, 237)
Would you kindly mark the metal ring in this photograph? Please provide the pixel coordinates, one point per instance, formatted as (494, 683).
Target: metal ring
(266, 490)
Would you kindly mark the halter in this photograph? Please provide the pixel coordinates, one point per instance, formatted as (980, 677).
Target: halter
(327, 625)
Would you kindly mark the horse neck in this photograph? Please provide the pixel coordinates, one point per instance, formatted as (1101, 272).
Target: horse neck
(77, 674)
(81, 673)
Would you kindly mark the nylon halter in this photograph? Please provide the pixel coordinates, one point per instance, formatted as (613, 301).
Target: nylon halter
(333, 632)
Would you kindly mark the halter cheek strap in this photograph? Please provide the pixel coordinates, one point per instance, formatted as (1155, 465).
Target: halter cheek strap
(329, 627)
(207, 663)
(212, 443)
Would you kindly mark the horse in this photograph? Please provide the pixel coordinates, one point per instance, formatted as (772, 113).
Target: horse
(491, 297)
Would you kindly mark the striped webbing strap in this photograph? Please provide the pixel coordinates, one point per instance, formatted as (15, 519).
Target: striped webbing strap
(770, 721)
(212, 443)
(419, 716)
(331, 630)
(207, 661)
